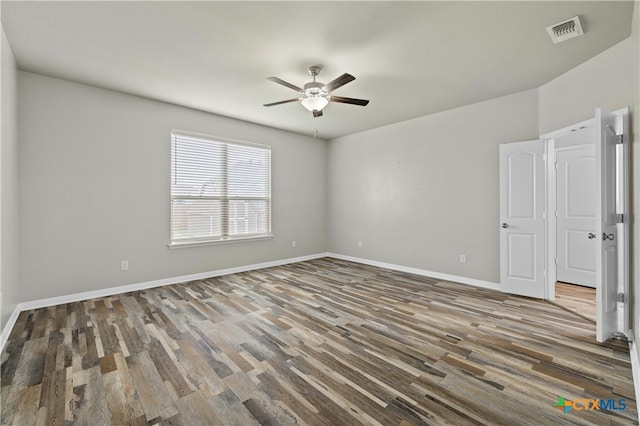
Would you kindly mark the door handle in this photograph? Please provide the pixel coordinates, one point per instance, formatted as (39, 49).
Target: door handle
(505, 225)
(591, 235)
(606, 237)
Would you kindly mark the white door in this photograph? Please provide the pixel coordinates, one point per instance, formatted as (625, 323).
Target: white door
(576, 215)
(606, 229)
(522, 228)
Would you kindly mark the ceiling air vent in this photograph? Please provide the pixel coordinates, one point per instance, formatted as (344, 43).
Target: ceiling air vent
(565, 30)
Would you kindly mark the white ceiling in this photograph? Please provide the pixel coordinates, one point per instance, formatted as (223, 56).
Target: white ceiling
(409, 58)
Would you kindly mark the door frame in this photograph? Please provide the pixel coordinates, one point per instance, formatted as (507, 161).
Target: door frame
(548, 139)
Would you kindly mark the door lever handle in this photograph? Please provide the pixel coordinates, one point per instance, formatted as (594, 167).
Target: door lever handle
(505, 225)
(591, 235)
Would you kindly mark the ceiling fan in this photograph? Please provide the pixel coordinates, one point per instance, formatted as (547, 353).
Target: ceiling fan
(316, 95)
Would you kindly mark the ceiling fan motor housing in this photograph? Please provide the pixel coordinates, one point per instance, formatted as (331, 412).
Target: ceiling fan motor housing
(314, 89)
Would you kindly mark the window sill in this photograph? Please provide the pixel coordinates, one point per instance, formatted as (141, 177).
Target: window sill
(185, 244)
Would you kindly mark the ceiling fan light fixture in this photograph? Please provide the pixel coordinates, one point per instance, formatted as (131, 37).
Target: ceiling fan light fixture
(314, 103)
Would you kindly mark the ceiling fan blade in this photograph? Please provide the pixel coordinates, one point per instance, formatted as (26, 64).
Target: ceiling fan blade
(352, 101)
(338, 82)
(317, 113)
(282, 102)
(284, 83)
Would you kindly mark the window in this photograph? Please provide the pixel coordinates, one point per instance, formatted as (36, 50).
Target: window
(220, 190)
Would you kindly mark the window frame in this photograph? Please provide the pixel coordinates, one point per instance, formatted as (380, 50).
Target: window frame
(226, 236)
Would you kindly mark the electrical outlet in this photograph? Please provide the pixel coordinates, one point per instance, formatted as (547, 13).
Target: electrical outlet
(294, 244)
(359, 244)
(463, 258)
(124, 265)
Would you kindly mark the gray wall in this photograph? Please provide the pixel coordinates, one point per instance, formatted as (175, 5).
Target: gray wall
(606, 81)
(421, 192)
(8, 183)
(94, 190)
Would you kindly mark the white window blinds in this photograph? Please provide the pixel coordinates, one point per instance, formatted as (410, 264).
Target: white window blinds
(219, 190)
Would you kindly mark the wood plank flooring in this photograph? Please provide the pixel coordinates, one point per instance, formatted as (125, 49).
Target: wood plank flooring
(323, 342)
(579, 299)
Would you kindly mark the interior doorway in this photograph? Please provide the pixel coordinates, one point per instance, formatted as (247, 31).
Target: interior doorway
(529, 253)
(575, 212)
(609, 133)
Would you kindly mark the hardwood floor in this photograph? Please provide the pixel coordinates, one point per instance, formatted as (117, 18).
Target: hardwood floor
(323, 342)
(581, 300)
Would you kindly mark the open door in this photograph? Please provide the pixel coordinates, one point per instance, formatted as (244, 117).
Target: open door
(576, 213)
(611, 230)
(522, 225)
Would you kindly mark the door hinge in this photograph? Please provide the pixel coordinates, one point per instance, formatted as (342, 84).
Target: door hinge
(556, 260)
(620, 218)
(620, 298)
(619, 139)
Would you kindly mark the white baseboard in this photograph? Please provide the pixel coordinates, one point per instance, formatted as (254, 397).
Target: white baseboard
(4, 336)
(52, 301)
(423, 272)
(75, 297)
